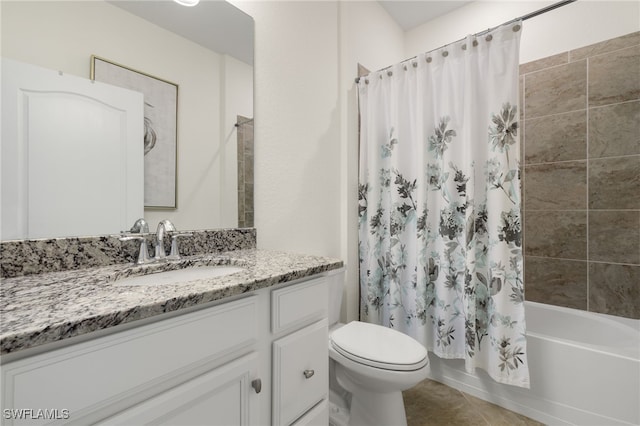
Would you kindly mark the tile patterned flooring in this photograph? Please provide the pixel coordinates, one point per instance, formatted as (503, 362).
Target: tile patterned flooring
(433, 404)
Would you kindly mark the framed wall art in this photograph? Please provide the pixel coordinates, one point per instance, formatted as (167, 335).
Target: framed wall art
(160, 128)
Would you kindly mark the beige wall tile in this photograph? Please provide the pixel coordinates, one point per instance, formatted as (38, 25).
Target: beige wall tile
(614, 289)
(614, 77)
(241, 203)
(241, 172)
(556, 281)
(557, 234)
(610, 45)
(549, 61)
(556, 138)
(614, 236)
(245, 172)
(556, 186)
(521, 99)
(248, 197)
(248, 169)
(554, 97)
(614, 130)
(556, 90)
(248, 219)
(614, 183)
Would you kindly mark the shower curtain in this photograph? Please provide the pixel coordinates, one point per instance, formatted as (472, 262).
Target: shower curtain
(440, 234)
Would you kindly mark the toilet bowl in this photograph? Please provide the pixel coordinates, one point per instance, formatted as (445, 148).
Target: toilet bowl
(373, 364)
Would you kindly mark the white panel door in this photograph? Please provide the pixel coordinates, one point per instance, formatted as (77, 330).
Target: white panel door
(72, 155)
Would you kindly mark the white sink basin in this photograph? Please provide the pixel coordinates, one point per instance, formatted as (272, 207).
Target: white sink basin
(180, 275)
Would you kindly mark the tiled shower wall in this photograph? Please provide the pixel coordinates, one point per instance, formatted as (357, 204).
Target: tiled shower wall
(581, 159)
(245, 172)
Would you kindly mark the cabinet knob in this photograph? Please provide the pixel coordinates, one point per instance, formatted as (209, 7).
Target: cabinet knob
(256, 385)
(308, 373)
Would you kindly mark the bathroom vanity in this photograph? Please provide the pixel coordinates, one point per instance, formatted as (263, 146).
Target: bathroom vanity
(239, 349)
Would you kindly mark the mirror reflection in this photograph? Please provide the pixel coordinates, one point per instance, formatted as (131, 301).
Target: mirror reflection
(206, 50)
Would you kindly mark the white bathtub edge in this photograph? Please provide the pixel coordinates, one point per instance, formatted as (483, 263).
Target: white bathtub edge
(513, 399)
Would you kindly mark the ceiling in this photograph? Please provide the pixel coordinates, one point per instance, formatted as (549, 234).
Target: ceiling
(221, 27)
(216, 25)
(410, 14)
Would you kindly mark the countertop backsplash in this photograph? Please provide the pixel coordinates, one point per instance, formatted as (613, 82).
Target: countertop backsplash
(27, 257)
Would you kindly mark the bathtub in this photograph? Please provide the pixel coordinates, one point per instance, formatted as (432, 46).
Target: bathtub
(584, 370)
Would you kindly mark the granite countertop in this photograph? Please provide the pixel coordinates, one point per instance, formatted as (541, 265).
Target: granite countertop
(44, 308)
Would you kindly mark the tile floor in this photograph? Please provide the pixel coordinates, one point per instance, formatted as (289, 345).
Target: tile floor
(433, 404)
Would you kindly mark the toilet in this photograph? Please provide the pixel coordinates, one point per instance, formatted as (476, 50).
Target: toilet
(370, 365)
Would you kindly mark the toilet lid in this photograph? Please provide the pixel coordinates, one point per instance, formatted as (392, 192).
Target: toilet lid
(379, 346)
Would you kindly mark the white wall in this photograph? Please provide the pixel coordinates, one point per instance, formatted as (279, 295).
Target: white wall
(62, 35)
(306, 58)
(369, 36)
(297, 126)
(569, 27)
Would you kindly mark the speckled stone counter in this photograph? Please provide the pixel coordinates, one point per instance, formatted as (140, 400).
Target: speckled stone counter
(44, 308)
(26, 257)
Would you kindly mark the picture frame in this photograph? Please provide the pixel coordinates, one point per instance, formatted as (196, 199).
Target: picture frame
(160, 125)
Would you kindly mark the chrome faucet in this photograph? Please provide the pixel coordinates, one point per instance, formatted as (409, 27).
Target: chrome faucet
(143, 253)
(163, 227)
(138, 232)
(140, 227)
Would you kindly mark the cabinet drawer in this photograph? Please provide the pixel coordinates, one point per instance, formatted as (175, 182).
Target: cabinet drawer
(299, 304)
(130, 365)
(300, 372)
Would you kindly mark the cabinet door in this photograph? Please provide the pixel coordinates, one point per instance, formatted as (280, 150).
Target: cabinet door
(223, 396)
(300, 372)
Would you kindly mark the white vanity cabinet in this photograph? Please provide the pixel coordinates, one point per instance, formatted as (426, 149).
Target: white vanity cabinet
(300, 356)
(260, 359)
(98, 378)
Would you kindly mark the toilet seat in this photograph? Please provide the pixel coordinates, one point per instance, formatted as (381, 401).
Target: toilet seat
(379, 347)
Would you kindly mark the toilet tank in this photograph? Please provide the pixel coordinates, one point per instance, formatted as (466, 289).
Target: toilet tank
(336, 287)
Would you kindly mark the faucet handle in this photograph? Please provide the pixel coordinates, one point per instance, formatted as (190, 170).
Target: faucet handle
(140, 227)
(175, 253)
(143, 254)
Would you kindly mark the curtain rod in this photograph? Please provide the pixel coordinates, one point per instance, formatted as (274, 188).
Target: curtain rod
(521, 18)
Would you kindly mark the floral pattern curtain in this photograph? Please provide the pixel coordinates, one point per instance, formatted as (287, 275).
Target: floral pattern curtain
(440, 208)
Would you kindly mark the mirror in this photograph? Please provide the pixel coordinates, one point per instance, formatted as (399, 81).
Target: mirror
(206, 50)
